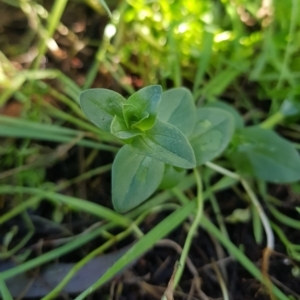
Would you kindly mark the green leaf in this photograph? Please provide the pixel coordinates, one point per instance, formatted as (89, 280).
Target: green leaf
(177, 108)
(290, 107)
(140, 110)
(212, 133)
(120, 130)
(238, 120)
(167, 143)
(172, 176)
(132, 117)
(134, 178)
(262, 153)
(101, 105)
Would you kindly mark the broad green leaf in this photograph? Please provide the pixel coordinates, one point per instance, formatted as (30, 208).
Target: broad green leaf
(212, 133)
(141, 108)
(120, 130)
(177, 108)
(134, 178)
(172, 176)
(101, 105)
(262, 153)
(238, 120)
(166, 143)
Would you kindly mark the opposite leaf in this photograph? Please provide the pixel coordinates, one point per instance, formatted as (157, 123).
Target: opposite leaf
(177, 108)
(100, 106)
(264, 154)
(212, 133)
(134, 178)
(166, 143)
(141, 108)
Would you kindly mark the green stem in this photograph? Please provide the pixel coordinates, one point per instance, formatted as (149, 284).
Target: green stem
(217, 211)
(4, 290)
(291, 37)
(53, 20)
(222, 170)
(263, 216)
(33, 201)
(282, 218)
(272, 121)
(192, 231)
(73, 202)
(64, 99)
(24, 240)
(253, 198)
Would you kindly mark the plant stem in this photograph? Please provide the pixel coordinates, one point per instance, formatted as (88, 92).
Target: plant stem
(263, 216)
(4, 290)
(53, 20)
(222, 170)
(192, 231)
(272, 121)
(291, 37)
(253, 198)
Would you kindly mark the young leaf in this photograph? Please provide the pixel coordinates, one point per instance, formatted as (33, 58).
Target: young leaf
(166, 143)
(134, 178)
(262, 153)
(212, 133)
(101, 105)
(141, 108)
(177, 108)
(120, 130)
